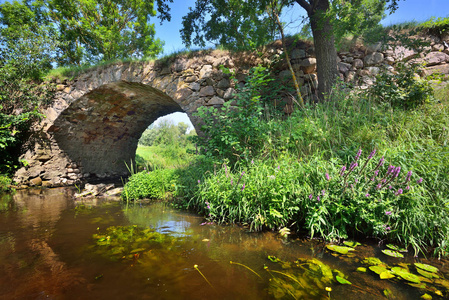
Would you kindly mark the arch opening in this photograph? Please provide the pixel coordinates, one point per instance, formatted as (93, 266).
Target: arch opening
(100, 131)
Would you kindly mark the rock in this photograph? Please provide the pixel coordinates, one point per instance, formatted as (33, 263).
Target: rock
(374, 47)
(438, 47)
(205, 71)
(308, 65)
(436, 58)
(373, 59)
(285, 73)
(403, 54)
(357, 63)
(215, 101)
(36, 181)
(344, 67)
(298, 53)
(195, 86)
(229, 94)
(114, 192)
(350, 77)
(349, 59)
(192, 78)
(223, 84)
(373, 70)
(47, 184)
(207, 91)
(389, 60)
(442, 69)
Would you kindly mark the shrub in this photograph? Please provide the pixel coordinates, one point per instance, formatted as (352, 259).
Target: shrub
(152, 185)
(4, 183)
(401, 90)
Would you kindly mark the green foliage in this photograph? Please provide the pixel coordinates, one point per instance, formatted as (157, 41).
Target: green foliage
(88, 30)
(403, 89)
(237, 132)
(5, 181)
(25, 56)
(152, 185)
(436, 26)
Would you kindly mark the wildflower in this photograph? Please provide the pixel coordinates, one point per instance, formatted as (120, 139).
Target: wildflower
(419, 180)
(323, 192)
(226, 171)
(409, 175)
(243, 187)
(396, 172)
(387, 228)
(384, 180)
(199, 181)
(367, 195)
(272, 177)
(376, 172)
(358, 154)
(390, 187)
(407, 187)
(310, 196)
(372, 154)
(318, 198)
(388, 213)
(356, 180)
(232, 181)
(252, 161)
(391, 168)
(342, 171)
(279, 167)
(381, 162)
(398, 192)
(327, 177)
(379, 186)
(353, 166)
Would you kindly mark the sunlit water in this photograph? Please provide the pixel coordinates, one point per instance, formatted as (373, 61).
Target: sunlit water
(47, 251)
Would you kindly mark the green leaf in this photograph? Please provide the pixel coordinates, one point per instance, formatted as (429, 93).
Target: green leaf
(404, 274)
(426, 267)
(392, 253)
(341, 280)
(351, 244)
(378, 269)
(339, 249)
(426, 274)
(361, 269)
(386, 275)
(426, 297)
(273, 258)
(396, 248)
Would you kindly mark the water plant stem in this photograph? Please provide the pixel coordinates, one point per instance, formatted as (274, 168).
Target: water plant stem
(196, 267)
(239, 264)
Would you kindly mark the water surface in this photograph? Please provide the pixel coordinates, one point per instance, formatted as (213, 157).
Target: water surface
(47, 251)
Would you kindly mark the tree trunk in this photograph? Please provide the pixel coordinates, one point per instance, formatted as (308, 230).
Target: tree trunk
(323, 38)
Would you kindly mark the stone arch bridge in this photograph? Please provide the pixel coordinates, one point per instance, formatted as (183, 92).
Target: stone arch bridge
(96, 119)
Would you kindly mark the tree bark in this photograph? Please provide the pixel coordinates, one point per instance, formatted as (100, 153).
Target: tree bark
(323, 38)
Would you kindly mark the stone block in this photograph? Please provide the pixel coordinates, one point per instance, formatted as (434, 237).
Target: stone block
(36, 181)
(373, 59)
(207, 91)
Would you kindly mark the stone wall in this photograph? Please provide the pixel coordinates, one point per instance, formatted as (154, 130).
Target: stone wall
(92, 128)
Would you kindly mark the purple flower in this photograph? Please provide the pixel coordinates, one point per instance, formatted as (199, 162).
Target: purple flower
(398, 192)
(207, 203)
(384, 180)
(372, 154)
(367, 195)
(391, 168)
(342, 171)
(358, 154)
(356, 180)
(318, 198)
(252, 161)
(199, 181)
(226, 171)
(208, 207)
(376, 172)
(381, 162)
(396, 172)
(310, 196)
(327, 177)
(323, 192)
(390, 187)
(409, 175)
(388, 213)
(232, 181)
(353, 166)
(419, 180)
(407, 187)
(243, 187)
(387, 228)
(379, 186)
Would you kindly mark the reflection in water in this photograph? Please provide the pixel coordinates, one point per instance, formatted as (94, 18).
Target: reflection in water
(47, 251)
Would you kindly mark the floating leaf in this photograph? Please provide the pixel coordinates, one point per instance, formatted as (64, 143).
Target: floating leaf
(426, 297)
(339, 249)
(351, 244)
(342, 280)
(422, 286)
(427, 274)
(426, 267)
(404, 274)
(438, 292)
(386, 275)
(442, 282)
(396, 248)
(361, 269)
(372, 261)
(392, 253)
(378, 269)
(273, 258)
(388, 293)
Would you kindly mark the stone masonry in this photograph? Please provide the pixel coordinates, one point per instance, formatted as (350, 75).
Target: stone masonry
(93, 126)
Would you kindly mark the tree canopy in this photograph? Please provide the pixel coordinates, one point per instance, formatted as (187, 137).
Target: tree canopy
(89, 31)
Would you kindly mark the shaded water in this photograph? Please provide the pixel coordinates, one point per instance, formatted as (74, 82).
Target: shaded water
(47, 251)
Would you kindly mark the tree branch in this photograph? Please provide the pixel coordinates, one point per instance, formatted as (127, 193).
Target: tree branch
(304, 4)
